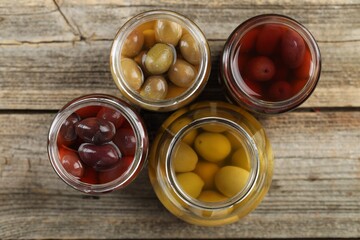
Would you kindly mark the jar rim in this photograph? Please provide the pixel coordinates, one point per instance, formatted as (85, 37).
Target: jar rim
(204, 66)
(130, 115)
(250, 146)
(252, 103)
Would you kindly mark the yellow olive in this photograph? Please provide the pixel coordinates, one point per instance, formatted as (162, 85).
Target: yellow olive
(184, 158)
(159, 58)
(234, 139)
(240, 159)
(133, 44)
(190, 183)
(213, 147)
(182, 73)
(133, 75)
(154, 88)
(190, 49)
(207, 170)
(211, 196)
(189, 137)
(167, 32)
(230, 180)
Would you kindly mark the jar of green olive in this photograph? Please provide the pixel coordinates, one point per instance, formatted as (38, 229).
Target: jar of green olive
(160, 60)
(211, 163)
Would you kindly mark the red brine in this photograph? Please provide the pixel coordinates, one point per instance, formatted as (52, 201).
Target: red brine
(89, 148)
(274, 62)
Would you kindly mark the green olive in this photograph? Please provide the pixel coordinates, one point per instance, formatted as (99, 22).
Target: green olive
(190, 49)
(133, 75)
(159, 58)
(154, 88)
(133, 44)
(182, 73)
(167, 32)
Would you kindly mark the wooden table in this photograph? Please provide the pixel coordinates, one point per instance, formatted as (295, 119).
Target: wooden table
(54, 51)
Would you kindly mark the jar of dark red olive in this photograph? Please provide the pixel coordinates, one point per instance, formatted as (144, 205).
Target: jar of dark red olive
(160, 60)
(97, 144)
(211, 163)
(270, 64)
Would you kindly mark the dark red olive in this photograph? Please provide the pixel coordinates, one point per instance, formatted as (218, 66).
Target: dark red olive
(111, 115)
(126, 141)
(67, 132)
(116, 171)
(292, 49)
(71, 162)
(89, 111)
(280, 90)
(261, 69)
(95, 130)
(99, 156)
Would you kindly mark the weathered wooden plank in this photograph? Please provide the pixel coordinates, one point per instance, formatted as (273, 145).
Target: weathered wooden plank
(33, 21)
(45, 76)
(315, 190)
(65, 20)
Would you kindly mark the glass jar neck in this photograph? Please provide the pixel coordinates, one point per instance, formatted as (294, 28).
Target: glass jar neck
(250, 147)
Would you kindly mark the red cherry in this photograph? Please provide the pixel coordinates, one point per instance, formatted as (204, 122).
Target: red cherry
(111, 115)
(71, 162)
(268, 38)
(90, 176)
(242, 62)
(292, 49)
(297, 85)
(90, 111)
(115, 172)
(247, 42)
(280, 90)
(261, 69)
(126, 141)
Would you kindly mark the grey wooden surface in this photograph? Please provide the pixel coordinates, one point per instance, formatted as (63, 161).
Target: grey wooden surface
(54, 51)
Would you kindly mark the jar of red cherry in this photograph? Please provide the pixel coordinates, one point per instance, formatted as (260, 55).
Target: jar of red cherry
(97, 143)
(160, 60)
(270, 64)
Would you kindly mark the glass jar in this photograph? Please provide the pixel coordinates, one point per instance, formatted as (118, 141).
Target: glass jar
(160, 60)
(270, 64)
(211, 163)
(97, 143)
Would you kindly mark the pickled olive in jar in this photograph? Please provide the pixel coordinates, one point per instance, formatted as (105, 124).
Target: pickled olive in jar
(240, 159)
(113, 173)
(182, 73)
(189, 137)
(230, 180)
(159, 58)
(111, 115)
(95, 130)
(67, 131)
(140, 58)
(133, 44)
(211, 196)
(99, 156)
(207, 170)
(70, 160)
(189, 49)
(154, 88)
(175, 91)
(185, 158)
(213, 147)
(168, 32)
(149, 38)
(133, 75)
(125, 140)
(190, 183)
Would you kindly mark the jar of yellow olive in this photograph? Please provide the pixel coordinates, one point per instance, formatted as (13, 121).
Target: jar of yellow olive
(211, 163)
(160, 60)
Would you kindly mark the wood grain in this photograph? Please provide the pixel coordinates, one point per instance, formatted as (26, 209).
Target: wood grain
(64, 45)
(315, 190)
